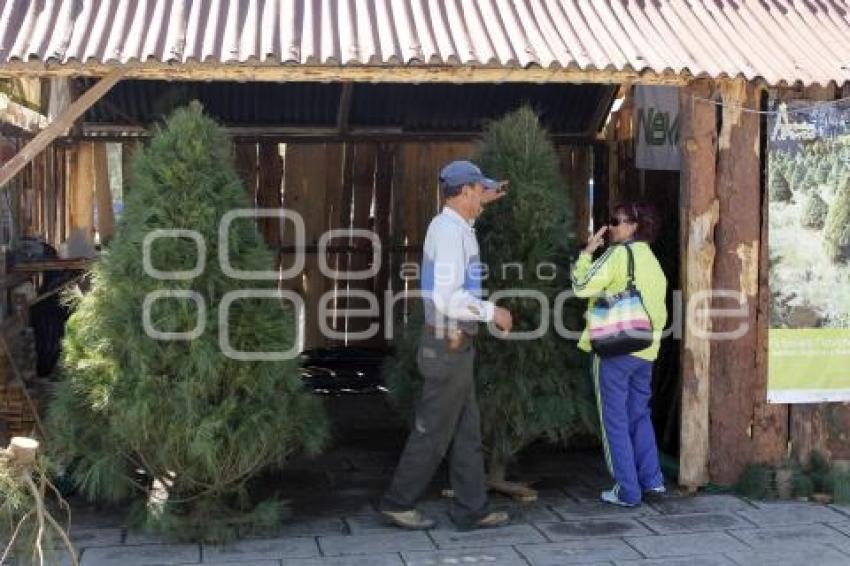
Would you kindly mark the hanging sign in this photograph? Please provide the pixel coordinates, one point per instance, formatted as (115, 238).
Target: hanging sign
(656, 127)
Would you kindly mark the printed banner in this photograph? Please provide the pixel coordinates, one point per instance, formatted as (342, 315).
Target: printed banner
(808, 150)
(656, 127)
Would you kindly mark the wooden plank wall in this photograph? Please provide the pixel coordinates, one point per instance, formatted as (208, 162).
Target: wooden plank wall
(389, 188)
(38, 195)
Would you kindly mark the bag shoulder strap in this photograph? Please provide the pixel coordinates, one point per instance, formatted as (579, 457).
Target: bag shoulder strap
(630, 283)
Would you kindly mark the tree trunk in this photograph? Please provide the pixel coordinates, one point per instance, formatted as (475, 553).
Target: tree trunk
(497, 470)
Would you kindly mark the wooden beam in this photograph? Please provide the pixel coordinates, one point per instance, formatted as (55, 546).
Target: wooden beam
(57, 128)
(354, 73)
(699, 214)
(20, 116)
(344, 111)
(29, 267)
(25, 90)
(118, 132)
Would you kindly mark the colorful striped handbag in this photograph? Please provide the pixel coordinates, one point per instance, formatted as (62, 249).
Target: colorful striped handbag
(620, 324)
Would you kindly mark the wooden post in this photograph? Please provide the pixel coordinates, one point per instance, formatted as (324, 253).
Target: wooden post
(81, 194)
(628, 181)
(770, 421)
(22, 451)
(103, 194)
(735, 379)
(699, 214)
(60, 97)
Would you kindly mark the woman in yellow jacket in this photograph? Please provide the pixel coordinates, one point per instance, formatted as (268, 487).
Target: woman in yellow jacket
(624, 383)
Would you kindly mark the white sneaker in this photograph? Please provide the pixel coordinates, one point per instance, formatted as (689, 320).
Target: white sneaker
(612, 496)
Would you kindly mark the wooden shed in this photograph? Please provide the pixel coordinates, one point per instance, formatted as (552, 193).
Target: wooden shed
(343, 110)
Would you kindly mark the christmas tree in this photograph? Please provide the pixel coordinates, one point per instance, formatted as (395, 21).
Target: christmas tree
(538, 388)
(814, 212)
(531, 389)
(837, 225)
(780, 191)
(177, 423)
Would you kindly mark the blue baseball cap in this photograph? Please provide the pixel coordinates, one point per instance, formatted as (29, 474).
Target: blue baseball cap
(458, 173)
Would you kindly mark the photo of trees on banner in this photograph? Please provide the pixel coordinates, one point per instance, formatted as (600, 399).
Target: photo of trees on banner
(808, 150)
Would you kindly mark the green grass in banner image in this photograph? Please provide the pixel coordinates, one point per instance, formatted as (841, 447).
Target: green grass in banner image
(809, 358)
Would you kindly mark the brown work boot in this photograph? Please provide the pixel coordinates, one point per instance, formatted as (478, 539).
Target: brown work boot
(490, 520)
(413, 519)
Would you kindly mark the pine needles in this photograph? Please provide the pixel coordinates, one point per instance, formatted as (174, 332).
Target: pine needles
(527, 389)
(176, 425)
(537, 388)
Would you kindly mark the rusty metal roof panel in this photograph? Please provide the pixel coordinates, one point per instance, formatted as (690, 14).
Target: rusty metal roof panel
(776, 40)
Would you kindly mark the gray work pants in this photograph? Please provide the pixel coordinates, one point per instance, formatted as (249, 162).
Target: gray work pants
(446, 419)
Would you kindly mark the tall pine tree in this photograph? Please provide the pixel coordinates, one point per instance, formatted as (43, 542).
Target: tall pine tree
(527, 389)
(538, 388)
(196, 423)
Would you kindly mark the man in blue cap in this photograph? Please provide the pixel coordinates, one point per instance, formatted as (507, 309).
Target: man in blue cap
(447, 417)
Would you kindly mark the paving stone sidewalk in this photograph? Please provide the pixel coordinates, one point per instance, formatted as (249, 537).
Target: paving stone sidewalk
(334, 522)
(564, 527)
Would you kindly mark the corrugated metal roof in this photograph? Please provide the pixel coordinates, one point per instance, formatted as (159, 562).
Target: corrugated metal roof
(142, 102)
(777, 40)
(563, 108)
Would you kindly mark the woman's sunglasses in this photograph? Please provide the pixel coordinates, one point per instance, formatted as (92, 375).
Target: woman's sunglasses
(616, 221)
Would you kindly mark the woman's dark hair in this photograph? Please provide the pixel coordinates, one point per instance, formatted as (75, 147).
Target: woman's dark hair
(646, 216)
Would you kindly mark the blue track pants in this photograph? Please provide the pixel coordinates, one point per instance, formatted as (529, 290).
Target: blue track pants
(623, 388)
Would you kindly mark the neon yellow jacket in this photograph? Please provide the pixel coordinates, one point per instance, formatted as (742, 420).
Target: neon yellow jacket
(609, 275)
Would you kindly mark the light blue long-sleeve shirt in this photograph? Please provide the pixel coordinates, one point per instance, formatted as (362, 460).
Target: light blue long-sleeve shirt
(452, 274)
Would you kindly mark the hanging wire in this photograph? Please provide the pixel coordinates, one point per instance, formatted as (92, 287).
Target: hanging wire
(813, 106)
